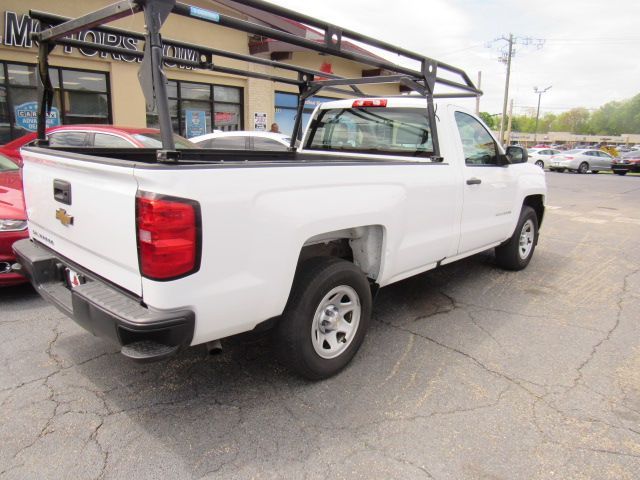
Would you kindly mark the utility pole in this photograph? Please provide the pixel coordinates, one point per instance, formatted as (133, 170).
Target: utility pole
(539, 92)
(507, 54)
(478, 97)
(509, 124)
(506, 87)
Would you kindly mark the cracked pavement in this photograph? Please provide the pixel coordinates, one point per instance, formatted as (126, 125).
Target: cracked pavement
(467, 372)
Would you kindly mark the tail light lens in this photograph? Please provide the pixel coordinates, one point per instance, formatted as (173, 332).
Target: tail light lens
(169, 236)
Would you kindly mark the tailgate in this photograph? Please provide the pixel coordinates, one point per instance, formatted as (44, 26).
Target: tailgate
(101, 237)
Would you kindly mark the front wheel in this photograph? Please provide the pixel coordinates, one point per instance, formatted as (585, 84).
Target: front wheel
(621, 173)
(583, 168)
(517, 252)
(326, 317)
(540, 163)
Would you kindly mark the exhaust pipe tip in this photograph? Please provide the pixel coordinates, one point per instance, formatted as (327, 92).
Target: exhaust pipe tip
(214, 347)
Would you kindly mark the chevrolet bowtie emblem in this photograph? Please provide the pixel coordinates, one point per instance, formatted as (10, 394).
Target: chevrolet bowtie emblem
(66, 220)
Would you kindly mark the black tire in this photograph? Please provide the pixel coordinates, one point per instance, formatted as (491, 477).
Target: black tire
(583, 167)
(314, 280)
(508, 255)
(621, 173)
(540, 163)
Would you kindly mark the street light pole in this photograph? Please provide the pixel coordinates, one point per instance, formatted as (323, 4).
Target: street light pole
(539, 92)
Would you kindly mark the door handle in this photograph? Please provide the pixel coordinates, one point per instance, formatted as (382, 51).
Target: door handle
(474, 181)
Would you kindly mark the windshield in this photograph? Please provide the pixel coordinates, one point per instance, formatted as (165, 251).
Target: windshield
(7, 165)
(394, 131)
(154, 140)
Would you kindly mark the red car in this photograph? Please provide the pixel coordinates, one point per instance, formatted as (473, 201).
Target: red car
(94, 136)
(13, 219)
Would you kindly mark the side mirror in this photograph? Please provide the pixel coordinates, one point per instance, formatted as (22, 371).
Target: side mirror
(517, 154)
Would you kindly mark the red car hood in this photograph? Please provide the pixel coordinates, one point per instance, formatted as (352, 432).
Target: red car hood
(11, 196)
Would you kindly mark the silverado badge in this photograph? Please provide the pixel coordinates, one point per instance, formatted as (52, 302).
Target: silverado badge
(65, 219)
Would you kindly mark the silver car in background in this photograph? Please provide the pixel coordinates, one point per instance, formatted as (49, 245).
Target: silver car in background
(541, 156)
(581, 160)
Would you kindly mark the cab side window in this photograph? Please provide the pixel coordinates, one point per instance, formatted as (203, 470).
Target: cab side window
(478, 145)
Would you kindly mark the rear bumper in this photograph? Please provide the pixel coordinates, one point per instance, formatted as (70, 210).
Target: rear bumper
(100, 308)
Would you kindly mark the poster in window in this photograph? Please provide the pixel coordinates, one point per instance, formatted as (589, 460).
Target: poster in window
(196, 123)
(260, 121)
(27, 116)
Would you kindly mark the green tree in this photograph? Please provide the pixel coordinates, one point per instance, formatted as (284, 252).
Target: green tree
(490, 120)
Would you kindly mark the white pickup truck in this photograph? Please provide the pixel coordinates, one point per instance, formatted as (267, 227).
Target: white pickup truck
(159, 255)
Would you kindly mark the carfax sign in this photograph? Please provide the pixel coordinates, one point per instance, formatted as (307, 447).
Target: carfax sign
(27, 116)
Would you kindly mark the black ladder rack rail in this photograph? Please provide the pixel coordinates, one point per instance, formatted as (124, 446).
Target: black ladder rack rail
(308, 81)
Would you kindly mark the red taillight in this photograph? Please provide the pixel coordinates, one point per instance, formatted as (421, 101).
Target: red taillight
(568, 158)
(168, 236)
(374, 102)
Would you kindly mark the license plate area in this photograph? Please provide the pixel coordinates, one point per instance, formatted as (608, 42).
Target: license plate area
(73, 278)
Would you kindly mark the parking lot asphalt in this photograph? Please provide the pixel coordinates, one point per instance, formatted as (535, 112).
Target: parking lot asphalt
(468, 372)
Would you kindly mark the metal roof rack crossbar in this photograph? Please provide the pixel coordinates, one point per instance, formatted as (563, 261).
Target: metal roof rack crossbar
(308, 81)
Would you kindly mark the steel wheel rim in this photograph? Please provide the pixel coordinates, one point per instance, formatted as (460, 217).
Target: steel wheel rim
(583, 168)
(527, 236)
(336, 322)
(540, 164)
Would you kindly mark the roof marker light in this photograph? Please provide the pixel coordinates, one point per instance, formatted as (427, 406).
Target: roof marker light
(375, 102)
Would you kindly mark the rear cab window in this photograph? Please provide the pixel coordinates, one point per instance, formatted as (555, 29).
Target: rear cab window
(395, 131)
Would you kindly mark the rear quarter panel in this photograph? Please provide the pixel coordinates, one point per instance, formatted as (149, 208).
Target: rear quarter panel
(255, 221)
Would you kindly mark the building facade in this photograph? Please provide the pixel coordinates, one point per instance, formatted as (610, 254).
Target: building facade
(98, 87)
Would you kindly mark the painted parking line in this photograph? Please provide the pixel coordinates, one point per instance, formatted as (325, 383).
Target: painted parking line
(633, 221)
(597, 221)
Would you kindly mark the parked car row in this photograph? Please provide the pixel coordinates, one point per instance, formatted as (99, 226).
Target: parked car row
(583, 160)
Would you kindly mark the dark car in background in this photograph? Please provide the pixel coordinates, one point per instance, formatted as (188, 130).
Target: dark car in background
(628, 162)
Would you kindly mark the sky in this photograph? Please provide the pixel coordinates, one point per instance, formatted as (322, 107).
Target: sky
(590, 54)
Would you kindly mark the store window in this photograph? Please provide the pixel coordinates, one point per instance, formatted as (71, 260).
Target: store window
(80, 97)
(286, 105)
(199, 108)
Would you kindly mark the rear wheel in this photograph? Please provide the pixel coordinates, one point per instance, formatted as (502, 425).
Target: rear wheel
(583, 168)
(540, 163)
(621, 173)
(326, 317)
(517, 252)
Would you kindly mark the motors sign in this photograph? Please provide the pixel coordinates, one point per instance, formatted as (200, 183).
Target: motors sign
(18, 29)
